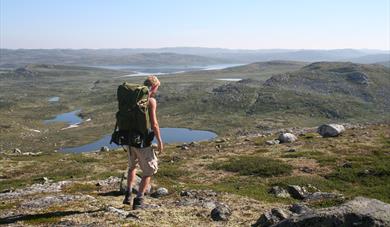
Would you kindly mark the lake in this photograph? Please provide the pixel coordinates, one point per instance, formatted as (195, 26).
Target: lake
(161, 70)
(169, 135)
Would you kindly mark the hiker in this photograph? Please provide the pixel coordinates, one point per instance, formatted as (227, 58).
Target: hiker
(145, 156)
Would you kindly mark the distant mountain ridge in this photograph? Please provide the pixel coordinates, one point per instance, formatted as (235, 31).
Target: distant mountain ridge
(185, 56)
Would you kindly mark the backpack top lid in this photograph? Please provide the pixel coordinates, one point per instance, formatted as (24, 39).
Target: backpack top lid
(132, 95)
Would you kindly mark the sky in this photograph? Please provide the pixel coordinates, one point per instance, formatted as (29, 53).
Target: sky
(235, 24)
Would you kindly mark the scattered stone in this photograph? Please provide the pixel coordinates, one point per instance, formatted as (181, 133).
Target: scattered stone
(160, 192)
(193, 144)
(220, 140)
(202, 198)
(104, 149)
(185, 147)
(272, 142)
(57, 199)
(287, 138)
(17, 151)
(35, 189)
(221, 213)
(32, 153)
(330, 130)
(117, 211)
(318, 196)
(346, 165)
(297, 192)
(279, 192)
(292, 150)
(306, 169)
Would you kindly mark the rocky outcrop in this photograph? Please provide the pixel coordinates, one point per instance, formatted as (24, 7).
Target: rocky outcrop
(330, 130)
(357, 212)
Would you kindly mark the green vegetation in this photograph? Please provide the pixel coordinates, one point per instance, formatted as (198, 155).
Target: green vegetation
(254, 165)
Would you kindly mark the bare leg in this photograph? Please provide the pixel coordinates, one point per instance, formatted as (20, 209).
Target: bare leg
(143, 185)
(130, 178)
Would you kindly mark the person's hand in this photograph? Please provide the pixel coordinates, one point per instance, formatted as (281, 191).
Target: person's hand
(160, 147)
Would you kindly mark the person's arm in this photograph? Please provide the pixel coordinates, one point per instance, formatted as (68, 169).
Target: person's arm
(154, 122)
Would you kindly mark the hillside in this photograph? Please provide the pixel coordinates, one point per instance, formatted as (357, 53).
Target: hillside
(238, 173)
(20, 57)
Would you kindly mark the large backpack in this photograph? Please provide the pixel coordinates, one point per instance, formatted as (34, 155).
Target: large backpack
(132, 118)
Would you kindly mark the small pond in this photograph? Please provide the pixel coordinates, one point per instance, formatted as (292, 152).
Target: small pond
(169, 135)
(69, 117)
(54, 99)
(230, 79)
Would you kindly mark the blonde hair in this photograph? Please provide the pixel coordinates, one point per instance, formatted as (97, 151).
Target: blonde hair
(152, 81)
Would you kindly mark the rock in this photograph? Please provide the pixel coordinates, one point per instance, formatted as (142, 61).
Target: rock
(317, 196)
(330, 130)
(221, 213)
(292, 150)
(185, 147)
(160, 192)
(17, 151)
(281, 214)
(35, 189)
(297, 192)
(56, 199)
(222, 140)
(306, 169)
(266, 219)
(346, 165)
(193, 144)
(287, 138)
(104, 149)
(357, 212)
(299, 209)
(272, 142)
(117, 211)
(279, 192)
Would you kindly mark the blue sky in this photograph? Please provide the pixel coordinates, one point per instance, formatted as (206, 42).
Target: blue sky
(243, 24)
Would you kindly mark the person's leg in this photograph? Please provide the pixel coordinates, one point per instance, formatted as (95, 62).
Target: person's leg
(143, 185)
(130, 174)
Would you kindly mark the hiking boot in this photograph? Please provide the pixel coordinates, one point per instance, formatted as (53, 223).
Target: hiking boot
(138, 203)
(127, 198)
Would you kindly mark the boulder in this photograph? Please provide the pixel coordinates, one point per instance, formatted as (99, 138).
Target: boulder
(279, 192)
(17, 151)
(104, 149)
(357, 212)
(160, 192)
(287, 138)
(330, 130)
(221, 213)
(297, 192)
(299, 209)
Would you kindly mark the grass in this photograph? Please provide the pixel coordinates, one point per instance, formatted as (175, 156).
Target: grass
(254, 165)
(80, 188)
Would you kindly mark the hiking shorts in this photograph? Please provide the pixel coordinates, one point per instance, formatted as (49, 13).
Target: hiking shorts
(145, 157)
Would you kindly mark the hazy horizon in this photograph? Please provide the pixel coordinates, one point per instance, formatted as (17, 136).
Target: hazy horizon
(228, 24)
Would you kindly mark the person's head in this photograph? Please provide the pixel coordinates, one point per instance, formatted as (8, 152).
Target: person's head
(153, 83)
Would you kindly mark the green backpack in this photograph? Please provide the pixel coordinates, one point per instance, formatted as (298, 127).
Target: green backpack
(132, 118)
